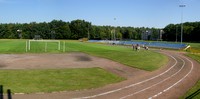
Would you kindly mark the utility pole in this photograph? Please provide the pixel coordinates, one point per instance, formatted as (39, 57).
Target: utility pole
(114, 32)
(182, 6)
(176, 32)
(88, 32)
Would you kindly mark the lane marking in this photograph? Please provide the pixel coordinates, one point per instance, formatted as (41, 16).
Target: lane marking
(122, 88)
(156, 83)
(176, 82)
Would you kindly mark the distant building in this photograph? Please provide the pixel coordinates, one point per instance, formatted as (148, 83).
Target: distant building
(146, 35)
(160, 35)
(152, 34)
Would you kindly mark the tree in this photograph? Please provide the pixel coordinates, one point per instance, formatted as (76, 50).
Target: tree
(80, 29)
(76, 29)
(155, 34)
(190, 32)
(59, 30)
(170, 32)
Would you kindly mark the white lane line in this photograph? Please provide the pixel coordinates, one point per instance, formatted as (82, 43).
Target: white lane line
(155, 83)
(176, 82)
(116, 90)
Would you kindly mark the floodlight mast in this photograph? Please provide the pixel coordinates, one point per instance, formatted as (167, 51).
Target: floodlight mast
(88, 32)
(182, 6)
(20, 33)
(114, 31)
(176, 32)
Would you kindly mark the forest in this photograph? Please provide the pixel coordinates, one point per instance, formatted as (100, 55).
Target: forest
(77, 29)
(191, 32)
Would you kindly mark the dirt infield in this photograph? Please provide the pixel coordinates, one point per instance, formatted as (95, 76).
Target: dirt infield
(59, 61)
(169, 82)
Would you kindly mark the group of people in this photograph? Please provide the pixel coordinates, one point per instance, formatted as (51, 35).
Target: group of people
(137, 47)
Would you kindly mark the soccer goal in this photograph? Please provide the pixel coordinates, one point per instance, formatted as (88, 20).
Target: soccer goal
(45, 44)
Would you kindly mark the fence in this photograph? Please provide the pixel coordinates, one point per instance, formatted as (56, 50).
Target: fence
(9, 95)
(149, 44)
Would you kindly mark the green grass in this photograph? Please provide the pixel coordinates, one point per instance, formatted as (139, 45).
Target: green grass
(195, 56)
(12, 46)
(195, 45)
(195, 48)
(192, 91)
(146, 60)
(143, 59)
(19, 46)
(32, 81)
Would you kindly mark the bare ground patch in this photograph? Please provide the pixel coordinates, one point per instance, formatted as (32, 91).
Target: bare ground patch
(70, 60)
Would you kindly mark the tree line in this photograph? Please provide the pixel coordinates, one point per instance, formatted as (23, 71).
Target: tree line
(191, 32)
(77, 29)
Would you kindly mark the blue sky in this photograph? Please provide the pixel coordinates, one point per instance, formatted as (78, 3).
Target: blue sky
(136, 13)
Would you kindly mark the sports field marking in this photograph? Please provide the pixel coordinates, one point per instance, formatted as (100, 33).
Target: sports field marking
(156, 83)
(176, 82)
(112, 91)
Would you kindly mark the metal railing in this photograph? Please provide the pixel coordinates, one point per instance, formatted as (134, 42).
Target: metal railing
(9, 95)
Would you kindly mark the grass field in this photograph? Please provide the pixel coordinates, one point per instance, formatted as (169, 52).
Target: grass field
(19, 46)
(30, 81)
(146, 60)
(195, 48)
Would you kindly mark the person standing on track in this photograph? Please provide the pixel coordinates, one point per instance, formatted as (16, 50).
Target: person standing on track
(133, 46)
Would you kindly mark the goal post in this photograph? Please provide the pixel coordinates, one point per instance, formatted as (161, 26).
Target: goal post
(28, 44)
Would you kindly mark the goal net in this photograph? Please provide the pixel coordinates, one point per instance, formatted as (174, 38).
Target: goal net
(42, 45)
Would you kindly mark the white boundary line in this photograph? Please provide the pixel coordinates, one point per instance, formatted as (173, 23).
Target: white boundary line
(176, 82)
(156, 83)
(112, 91)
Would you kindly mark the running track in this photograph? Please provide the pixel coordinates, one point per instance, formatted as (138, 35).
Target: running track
(169, 82)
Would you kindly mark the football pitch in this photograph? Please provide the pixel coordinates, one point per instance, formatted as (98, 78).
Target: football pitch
(37, 80)
(146, 60)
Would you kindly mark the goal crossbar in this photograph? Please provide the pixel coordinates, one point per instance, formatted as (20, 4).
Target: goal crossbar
(28, 43)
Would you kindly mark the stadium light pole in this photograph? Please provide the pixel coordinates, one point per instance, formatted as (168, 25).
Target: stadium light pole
(88, 32)
(20, 33)
(114, 31)
(182, 6)
(176, 32)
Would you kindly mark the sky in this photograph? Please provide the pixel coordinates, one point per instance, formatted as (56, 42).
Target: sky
(134, 13)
